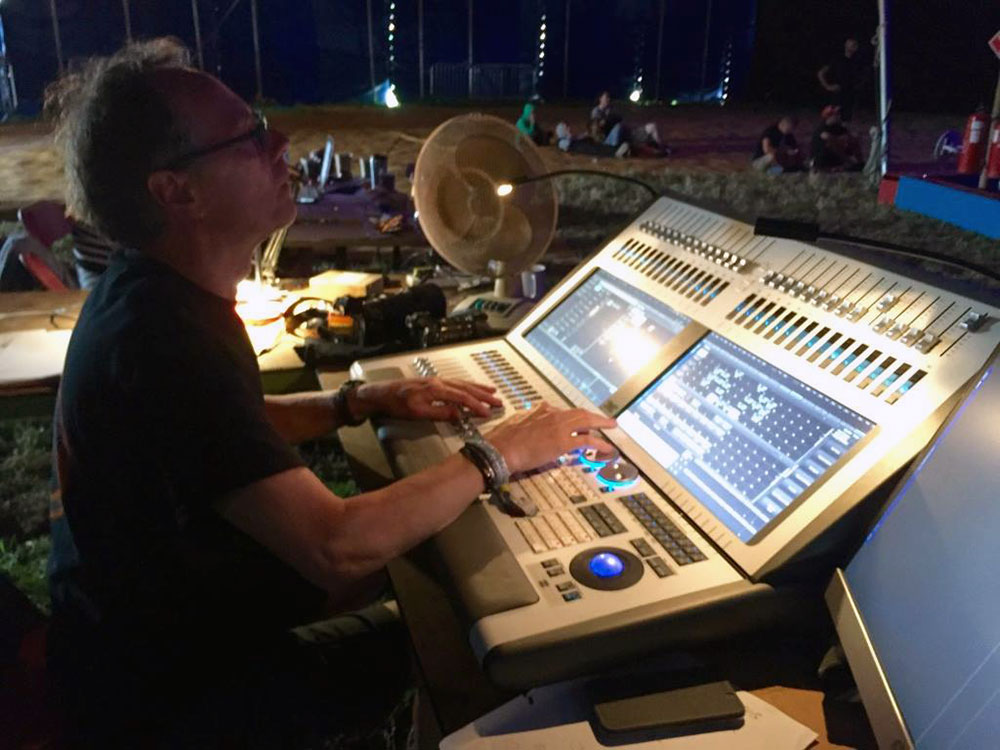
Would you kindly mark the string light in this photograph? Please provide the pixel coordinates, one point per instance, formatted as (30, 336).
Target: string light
(391, 100)
(540, 65)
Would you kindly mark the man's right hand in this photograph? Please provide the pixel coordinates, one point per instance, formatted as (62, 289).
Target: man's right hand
(540, 435)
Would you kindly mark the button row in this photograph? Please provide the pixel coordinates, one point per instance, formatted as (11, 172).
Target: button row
(601, 518)
(662, 529)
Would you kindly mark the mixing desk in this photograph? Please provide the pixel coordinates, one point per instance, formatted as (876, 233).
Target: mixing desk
(763, 388)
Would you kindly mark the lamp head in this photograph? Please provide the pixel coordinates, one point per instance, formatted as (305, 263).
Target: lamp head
(504, 189)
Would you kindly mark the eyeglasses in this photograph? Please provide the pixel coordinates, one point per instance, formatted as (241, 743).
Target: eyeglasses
(258, 134)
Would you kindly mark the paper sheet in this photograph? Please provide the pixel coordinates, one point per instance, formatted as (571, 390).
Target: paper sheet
(29, 356)
(555, 717)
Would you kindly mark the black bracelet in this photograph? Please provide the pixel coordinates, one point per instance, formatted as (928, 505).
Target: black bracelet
(340, 407)
(480, 461)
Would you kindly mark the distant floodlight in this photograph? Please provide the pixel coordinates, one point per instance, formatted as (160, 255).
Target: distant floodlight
(504, 189)
(635, 95)
(391, 100)
(673, 102)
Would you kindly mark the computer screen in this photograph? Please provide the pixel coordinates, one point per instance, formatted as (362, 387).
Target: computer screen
(926, 584)
(743, 437)
(603, 333)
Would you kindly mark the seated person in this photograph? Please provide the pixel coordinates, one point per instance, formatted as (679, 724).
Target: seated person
(194, 556)
(646, 142)
(777, 150)
(834, 147)
(528, 125)
(589, 144)
(605, 124)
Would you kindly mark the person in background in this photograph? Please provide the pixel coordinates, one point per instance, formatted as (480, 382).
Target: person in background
(777, 150)
(841, 78)
(606, 125)
(834, 147)
(528, 124)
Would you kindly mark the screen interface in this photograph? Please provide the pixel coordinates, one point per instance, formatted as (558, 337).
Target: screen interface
(603, 333)
(740, 435)
(926, 586)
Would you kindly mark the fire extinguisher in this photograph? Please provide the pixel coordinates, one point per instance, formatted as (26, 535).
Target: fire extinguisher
(993, 157)
(974, 143)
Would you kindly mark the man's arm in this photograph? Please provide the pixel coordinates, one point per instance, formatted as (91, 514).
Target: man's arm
(333, 542)
(305, 416)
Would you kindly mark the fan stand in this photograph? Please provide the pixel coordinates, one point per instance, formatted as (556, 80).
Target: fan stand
(504, 307)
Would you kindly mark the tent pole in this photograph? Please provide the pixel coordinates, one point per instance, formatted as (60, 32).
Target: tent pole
(256, 49)
(128, 21)
(55, 33)
(884, 94)
(420, 43)
(371, 50)
(566, 54)
(659, 49)
(197, 33)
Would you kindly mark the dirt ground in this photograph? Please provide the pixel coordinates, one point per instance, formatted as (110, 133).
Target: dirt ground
(704, 138)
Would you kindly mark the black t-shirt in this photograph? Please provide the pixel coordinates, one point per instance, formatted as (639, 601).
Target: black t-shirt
(845, 71)
(777, 139)
(160, 413)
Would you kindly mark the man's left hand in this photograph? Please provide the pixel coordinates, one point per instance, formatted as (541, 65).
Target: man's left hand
(422, 398)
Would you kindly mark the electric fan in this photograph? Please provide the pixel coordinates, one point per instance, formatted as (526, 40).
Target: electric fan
(455, 194)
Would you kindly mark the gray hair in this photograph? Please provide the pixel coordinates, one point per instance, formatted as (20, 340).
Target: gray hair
(114, 127)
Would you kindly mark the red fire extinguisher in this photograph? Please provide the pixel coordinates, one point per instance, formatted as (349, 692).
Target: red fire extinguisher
(993, 158)
(974, 143)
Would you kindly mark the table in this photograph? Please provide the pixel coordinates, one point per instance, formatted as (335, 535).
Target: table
(282, 371)
(454, 691)
(339, 222)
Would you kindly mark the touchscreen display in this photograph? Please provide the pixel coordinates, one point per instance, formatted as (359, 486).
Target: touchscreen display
(740, 435)
(603, 333)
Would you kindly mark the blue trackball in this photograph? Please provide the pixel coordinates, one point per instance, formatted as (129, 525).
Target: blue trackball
(606, 565)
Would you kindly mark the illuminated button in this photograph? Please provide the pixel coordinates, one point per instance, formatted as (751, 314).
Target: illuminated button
(618, 474)
(606, 565)
(595, 458)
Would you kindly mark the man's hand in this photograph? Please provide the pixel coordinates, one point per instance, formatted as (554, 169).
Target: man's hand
(422, 398)
(540, 435)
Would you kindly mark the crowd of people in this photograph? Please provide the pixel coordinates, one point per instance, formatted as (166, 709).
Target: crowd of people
(832, 148)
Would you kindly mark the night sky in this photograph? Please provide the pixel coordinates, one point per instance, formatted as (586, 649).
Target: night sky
(317, 50)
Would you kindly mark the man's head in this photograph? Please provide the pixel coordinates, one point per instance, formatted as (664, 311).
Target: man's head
(850, 47)
(126, 123)
(787, 124)
(604, 100)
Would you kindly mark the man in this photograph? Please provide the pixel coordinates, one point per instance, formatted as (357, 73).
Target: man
(841, 79)
(188, 538)
(606, 125)
(834, 147)
(777, 150)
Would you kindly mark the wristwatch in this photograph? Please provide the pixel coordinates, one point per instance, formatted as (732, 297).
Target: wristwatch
(340, 408)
